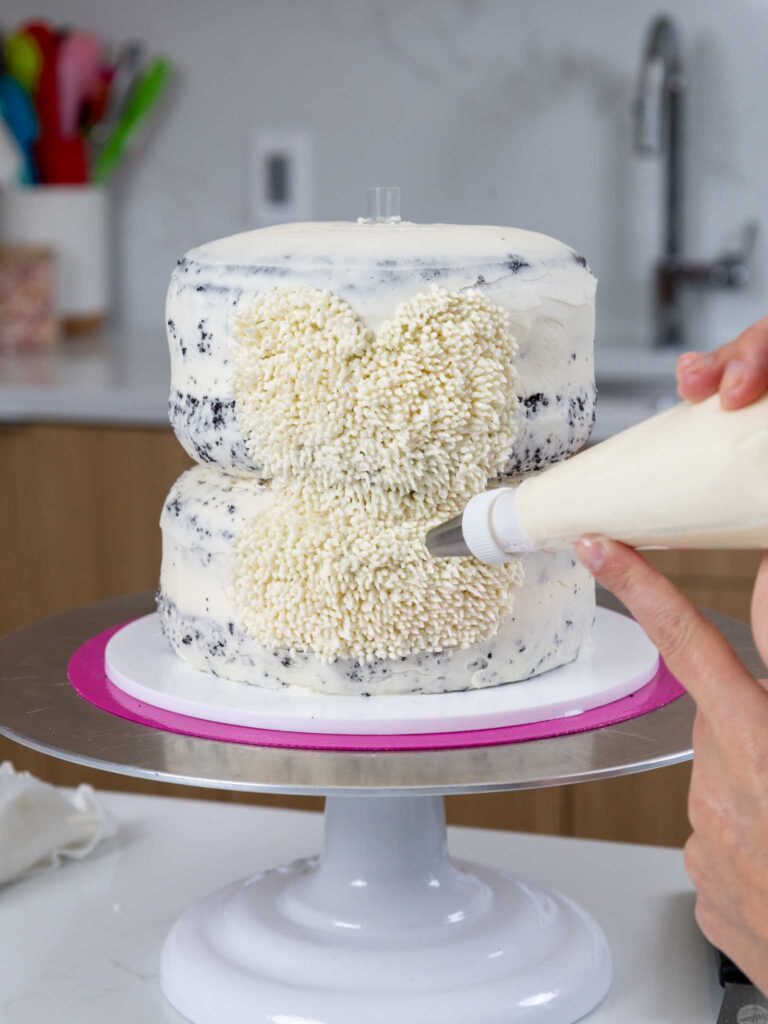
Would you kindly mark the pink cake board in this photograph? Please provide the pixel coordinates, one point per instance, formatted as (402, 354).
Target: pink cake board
(87, 675)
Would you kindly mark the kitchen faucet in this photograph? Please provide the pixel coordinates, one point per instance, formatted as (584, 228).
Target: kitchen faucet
(659, 131)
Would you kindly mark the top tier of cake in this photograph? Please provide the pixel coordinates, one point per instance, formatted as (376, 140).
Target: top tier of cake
(547, 289)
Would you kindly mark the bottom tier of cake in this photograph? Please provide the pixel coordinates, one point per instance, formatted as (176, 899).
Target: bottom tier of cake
(550, 619)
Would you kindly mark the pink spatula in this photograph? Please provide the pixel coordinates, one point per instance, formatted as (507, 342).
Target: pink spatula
(79, 67)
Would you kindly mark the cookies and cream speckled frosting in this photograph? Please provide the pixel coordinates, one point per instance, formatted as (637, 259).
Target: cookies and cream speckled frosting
(298, 314)
(545, 287)
(201, 519)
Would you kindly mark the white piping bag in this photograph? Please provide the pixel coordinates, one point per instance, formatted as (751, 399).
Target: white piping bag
(695, 476)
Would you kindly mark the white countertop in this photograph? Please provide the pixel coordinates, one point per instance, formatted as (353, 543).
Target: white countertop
(81, 945)
(116, 378)
(122, 377)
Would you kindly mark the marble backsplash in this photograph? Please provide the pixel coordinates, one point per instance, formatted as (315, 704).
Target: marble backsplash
(484, 111)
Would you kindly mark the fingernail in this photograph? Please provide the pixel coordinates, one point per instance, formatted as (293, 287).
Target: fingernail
(703, 362)
(687, 360)
(734, 376)
(591, 552)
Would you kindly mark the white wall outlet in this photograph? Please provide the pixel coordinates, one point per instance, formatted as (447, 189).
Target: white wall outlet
(282, 177)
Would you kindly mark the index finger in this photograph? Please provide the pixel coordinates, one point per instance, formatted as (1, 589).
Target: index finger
(697, 654)
(738, 370)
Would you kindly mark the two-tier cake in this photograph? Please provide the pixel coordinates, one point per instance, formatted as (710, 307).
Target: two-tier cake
(343, 387)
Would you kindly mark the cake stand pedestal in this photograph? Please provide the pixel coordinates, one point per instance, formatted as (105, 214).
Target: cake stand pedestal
(384, 926)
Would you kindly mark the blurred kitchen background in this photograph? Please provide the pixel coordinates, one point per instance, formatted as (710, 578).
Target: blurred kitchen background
(483, 111)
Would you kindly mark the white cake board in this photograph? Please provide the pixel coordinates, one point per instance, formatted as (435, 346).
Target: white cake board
(616, 661)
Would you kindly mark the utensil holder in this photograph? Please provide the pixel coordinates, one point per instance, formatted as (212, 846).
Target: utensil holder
(74, 222)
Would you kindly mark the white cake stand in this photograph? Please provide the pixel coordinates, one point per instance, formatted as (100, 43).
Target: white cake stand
(384, 926)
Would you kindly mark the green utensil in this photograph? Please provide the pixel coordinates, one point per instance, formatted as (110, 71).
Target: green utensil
(144, 96)
(23, 59)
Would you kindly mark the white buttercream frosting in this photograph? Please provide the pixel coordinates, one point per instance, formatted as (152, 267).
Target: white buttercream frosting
(339, 582)
(372, 437)
(422, 409)
(406, 244)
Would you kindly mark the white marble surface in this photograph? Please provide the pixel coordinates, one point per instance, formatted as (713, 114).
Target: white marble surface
(122, 377)
(81, 945)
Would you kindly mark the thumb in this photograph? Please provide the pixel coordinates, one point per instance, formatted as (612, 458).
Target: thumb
(695, 651)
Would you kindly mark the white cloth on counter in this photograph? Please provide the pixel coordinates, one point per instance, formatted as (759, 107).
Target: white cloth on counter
(40, 825)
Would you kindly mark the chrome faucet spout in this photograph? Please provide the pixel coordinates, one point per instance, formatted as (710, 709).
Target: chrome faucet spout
(659, 110)
(661, 73)
(659, 114)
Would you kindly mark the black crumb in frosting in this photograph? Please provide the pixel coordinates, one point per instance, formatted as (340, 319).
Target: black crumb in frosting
(207, 427)
(265, 271)
(204, 339)
(553, 426)
(218, 413)
(174, 338)
(532, 403)
(516, 264)
(577, 405)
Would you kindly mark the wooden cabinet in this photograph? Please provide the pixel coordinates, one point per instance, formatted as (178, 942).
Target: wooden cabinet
(79, 520)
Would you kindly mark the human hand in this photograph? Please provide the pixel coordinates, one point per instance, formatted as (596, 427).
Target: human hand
(727, 855)
(738, 370)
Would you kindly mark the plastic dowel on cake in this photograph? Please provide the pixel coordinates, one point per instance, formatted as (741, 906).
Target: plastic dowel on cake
(383, 205)
(695, 476)
(344, 387)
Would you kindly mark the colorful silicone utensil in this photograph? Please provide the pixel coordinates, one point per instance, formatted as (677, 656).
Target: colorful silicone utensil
(61, 161)
(23, 59)
(78, 66)
(96, 102)
(128, 65)
(21, 119)
(143, 98)
(47, 93)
